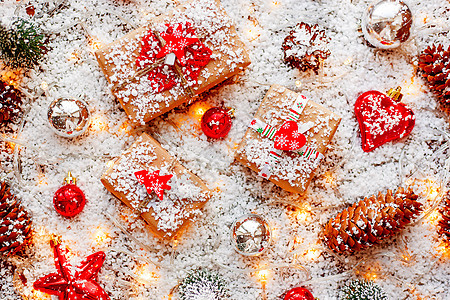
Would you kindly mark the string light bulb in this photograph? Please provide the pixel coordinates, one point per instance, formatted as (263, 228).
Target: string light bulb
(312, 254)
(146, 274)
(44, 86)
(302, 215)
(198, 109)
(98, 123)
(275, 3)
(100, 236)
(263, 276)
(348, 61)
(434, 217)
(95, 44)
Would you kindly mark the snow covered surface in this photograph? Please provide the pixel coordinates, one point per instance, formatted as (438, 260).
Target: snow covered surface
(346, 175)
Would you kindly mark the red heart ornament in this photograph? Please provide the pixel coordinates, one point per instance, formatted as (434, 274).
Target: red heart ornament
(381, 119)
(288, 137)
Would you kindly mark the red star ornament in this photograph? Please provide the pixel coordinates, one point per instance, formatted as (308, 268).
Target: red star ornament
(176, 43)
(153, 182)
(70, 283)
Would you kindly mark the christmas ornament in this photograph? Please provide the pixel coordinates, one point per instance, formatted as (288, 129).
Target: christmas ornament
(15, 225)
(21, 46)
(305, 47)
(370, 221)
(387, 23)
(69, 283)
(10, 100)
(203, 284)
(434, 63)
(251, 235)
(362, 290)
(382, 118)
(154, 182)
(444, 223)
(299, 293)
(69, 199)
(288, 137)
(216, 122)
(68, 117)
(178, 41)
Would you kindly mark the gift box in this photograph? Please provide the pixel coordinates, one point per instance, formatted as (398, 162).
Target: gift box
(291, 170)
(216, 55)
(183, 196)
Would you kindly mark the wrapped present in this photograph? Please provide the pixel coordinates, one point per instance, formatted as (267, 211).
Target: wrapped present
(287, 139)
(174, 58)
(148, 179)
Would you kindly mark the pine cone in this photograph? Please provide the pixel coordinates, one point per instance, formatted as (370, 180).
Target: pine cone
(434, 63)
(371, 220)
(10, 100)
(15, 225)
(444, 223)
(305, 46)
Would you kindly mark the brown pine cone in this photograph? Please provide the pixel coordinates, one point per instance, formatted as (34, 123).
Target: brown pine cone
(305, 46)
(371, 220)
(15, 225)
(434, 63)
(10, 101)
(444, 223)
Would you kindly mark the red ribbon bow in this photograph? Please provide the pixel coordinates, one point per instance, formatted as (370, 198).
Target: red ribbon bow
(181, 40)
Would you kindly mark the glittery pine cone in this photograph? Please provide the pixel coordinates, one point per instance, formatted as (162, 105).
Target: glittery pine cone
(15, 224)
(434, 63)
(305, 47)
(370, 221)
(10, 100)
(444, 223)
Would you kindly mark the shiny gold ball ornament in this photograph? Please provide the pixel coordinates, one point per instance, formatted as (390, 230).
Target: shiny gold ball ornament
(251, 235)
(386, 24)
(68, 117)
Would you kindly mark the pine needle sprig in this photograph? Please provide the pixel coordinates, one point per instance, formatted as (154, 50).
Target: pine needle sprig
(202, 285)
(362, 290)
(21, 46)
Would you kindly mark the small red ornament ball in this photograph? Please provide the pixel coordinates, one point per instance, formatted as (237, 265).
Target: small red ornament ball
(216, 122)
(69, 200)
(299, 293)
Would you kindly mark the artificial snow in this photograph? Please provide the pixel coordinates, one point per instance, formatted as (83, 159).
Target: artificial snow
(346, 175)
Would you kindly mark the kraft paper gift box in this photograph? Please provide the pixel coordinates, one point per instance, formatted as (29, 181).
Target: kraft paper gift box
(139, 99)
(180, 205)
(291, 170)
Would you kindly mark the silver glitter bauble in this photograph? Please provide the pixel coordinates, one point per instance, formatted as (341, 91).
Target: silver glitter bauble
(251, 235)
(387, 23)
(68, 117)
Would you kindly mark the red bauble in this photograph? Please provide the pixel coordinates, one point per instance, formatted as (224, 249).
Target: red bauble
(69, 283)
(216, 122)
(69, 200)
(299, 293)
(382, 119)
